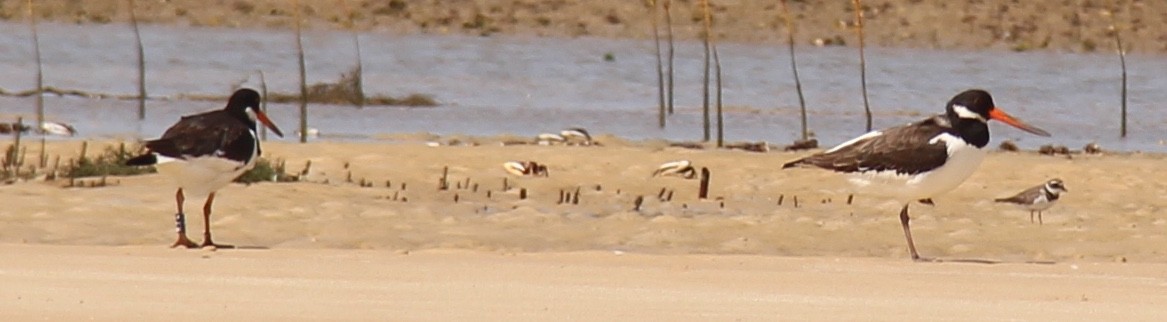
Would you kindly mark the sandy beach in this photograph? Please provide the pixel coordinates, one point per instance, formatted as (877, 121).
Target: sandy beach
(328, 248)
(149, 283)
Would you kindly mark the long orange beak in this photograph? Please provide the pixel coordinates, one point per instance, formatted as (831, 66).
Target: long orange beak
(267, 122)
(998, 114)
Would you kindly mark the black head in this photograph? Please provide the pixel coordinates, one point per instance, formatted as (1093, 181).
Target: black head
(971, 105)
(244, 103)
(970, 112)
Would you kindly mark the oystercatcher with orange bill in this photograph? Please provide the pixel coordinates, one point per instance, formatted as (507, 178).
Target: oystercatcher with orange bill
(921, 160)
(204, 152)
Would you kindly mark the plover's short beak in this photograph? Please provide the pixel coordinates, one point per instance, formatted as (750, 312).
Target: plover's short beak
(998, 114)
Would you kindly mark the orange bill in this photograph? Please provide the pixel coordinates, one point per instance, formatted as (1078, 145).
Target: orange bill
(267, 122)
(998, 114)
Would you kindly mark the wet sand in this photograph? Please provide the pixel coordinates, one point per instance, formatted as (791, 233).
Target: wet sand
(327, 248)
(150, 282)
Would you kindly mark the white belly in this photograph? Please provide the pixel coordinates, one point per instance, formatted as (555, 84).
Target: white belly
(963, 160)
(1041, 204)
(203, 175)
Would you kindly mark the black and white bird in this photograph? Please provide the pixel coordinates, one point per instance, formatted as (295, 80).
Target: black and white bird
(204, 152)
(525, 168)
(679, 168)
(921, 160)
(577, 134)
(1038, 198)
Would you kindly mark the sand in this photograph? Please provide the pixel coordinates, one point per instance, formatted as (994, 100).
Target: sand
(151, 283)
(328, 248)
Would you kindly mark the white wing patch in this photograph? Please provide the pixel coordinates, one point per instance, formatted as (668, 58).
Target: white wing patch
(868, 135)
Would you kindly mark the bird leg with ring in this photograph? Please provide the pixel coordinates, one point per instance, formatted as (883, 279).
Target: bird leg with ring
(180, 224)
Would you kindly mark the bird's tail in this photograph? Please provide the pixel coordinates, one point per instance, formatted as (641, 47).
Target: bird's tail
(1009, 200)
(145, 159)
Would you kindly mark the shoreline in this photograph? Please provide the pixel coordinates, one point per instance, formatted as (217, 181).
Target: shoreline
(986, 25)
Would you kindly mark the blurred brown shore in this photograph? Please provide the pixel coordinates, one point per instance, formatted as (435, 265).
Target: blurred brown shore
(1057, 26)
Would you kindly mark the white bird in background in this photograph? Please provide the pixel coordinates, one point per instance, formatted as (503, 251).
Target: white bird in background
(577, 134)
(549, 139)
(525, 168)
(681, 168)
(57, 128)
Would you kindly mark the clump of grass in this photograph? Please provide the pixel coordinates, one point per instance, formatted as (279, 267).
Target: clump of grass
(269, 171)
(110, 162)
(347, 91)
(12, 167)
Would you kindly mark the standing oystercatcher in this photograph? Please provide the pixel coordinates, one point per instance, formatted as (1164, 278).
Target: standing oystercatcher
(205, 152)
(1038, 198)
(921, 160)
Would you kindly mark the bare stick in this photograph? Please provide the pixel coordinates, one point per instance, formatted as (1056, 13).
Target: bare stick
(862, 60)
(443, 184)
(794, 68)
(1121, 60)
(672, 50)
(703, 191)
(40, 88)
(263, 103)
(303, 77)
(351, 25)
(720, 119)
(660, 72)
(705, 93)
(141, 64)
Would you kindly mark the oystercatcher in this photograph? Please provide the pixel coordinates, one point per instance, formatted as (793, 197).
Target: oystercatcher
(1038, 198)
(921, 160)
(205, 152)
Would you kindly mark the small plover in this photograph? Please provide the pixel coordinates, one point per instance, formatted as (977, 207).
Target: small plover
(1038, 198)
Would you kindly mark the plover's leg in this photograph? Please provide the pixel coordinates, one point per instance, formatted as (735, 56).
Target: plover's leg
(1039, 221)
(1031, 216)
(180, 223)
(207, 224)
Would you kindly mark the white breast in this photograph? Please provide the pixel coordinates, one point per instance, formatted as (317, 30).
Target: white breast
(963, 160)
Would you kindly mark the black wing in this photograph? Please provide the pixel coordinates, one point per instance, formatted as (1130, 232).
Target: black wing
(903, 149)
(209, 134)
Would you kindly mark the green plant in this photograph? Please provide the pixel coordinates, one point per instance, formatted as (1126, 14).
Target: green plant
(111, 161)
(266, 170)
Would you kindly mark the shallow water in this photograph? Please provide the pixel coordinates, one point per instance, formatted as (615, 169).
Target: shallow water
(525, 85)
